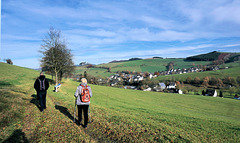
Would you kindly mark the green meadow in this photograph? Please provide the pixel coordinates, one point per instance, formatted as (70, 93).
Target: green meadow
(145, 65)
(117, 115)
(232, 72)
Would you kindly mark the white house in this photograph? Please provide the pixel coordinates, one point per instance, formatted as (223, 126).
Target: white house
(215, 93)
(171, 85)
(148, 89)
(180, 91)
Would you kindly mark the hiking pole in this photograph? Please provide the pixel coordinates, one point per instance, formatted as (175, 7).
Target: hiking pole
(89, 117)
(75, 110)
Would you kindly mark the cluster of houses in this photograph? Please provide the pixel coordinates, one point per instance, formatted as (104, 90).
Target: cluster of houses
(125, 77)
(163, 87)
(128, 78)
(189, 70)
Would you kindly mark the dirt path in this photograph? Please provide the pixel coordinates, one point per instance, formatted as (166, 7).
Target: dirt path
(55, 124)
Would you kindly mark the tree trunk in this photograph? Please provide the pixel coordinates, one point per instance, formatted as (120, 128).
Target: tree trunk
(56, 74)
(61, 75)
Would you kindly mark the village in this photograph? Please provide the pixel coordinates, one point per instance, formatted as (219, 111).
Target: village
(131, 80)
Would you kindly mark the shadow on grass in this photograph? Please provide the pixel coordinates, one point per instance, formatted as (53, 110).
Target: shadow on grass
(65, 111)
(238, 129)
(50, 81)
(18, 136)
(35, 101)
(4, 83)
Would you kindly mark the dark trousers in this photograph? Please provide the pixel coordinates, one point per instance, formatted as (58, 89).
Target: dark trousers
(42, 100)
(83, 108)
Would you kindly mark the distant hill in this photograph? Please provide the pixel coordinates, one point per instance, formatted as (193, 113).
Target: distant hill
(132, 59)
(144, 65)
(156, 64)
(213, 56)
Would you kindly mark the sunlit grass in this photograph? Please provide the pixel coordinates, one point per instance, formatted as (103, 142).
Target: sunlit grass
(117, 115)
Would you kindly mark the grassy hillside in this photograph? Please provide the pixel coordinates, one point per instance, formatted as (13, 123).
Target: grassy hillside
(233, 72)
(116, 114)
(20, 117)
(151, 116)
(146, 65)
(154, 65)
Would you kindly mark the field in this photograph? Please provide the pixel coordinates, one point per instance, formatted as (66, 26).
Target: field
(146, 65)
(232, 72)
(117, 115)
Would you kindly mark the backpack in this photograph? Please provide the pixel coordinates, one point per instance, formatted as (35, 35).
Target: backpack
(85, 94)
(42, 84)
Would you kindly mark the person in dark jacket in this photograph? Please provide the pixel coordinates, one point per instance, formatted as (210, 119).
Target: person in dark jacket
(41, 85)
(82, 106)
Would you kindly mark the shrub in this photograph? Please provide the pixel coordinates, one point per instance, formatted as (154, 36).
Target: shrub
(196, 80)
(178, 85)
(189, 80)
(205, 83)
(238, 80)
(185, 92)
(229, 80)
(213, 81)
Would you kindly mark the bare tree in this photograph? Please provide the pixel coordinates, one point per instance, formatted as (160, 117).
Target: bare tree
(57, 58)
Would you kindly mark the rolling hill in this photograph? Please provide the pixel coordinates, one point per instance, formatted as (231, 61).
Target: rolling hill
(159, 64)
(117, 115)
(145, 65)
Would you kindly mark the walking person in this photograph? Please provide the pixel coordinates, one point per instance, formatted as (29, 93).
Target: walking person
(83, 95)
(41, 85)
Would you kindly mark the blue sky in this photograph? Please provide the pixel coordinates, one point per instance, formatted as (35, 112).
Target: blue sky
(99, 31)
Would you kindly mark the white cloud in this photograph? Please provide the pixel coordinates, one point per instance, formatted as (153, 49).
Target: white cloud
(95, 32)
(104, 27)
(106, 56)
(19, 37)
(157, 22)
(228, 12)
(231, 45)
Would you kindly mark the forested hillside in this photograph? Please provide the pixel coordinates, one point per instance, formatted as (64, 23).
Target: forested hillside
(214, 56)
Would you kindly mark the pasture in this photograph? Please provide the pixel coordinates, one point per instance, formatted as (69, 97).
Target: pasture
(145, 65)
(117, 115)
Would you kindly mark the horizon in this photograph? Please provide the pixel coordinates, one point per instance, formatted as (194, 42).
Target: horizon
(103, 31)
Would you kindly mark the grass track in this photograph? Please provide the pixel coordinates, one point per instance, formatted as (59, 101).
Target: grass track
(118, 114)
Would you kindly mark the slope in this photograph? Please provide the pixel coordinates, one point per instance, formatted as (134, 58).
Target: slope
(20, 118)
(145, 65)
(117, 115)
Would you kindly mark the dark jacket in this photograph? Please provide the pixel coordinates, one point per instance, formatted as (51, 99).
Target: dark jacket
(41, 84)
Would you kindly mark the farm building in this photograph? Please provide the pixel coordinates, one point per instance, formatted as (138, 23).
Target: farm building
(211, 92)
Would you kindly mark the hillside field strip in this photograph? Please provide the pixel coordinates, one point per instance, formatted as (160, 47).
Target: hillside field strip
(146, 65)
